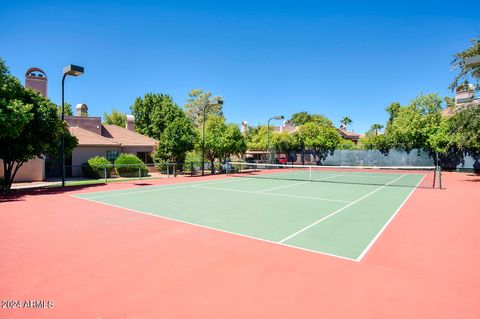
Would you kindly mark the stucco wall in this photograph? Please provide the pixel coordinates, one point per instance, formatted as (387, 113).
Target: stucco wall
(81, 154)
(31, 171)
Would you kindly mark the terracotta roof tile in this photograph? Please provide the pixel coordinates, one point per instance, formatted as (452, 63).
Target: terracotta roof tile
(125, 137)
(89, 138)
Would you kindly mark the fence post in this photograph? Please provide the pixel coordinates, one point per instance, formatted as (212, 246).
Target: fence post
(139, 172)
(191, 168)
(105, 172)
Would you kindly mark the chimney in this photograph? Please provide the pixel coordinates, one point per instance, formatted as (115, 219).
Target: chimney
(244, 127)
(82, 109)
(130, 123)
(36, 79)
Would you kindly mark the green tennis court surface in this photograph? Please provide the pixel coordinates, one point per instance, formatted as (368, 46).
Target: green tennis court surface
(339, 215)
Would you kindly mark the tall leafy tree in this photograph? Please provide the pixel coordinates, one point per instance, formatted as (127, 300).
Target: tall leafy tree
(257, 138)
(322, 139)
(178, 138)
(414, 123)
(153, 113)
(222, 139)
(458, 63)
(196, 101)
(300, 118)
(116, 117)
(30, 126)
(285, 142)
(67, 107)
(392, 111)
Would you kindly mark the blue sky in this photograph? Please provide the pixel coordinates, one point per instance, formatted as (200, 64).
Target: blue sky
(263, 57)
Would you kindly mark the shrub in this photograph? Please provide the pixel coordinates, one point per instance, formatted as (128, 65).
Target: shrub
(127, 165)
(95, 167)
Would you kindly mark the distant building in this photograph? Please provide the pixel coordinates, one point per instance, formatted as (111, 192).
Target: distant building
(97, 139)
(94, 139)
(465, 97)
(288, 127)
(36, 78)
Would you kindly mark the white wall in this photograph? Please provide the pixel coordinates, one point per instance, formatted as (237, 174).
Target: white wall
(81, 154)
(31, 171)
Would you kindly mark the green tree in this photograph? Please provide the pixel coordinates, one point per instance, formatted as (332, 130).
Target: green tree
(465, 130)
(392, 111)
(257, 138)
(222, 139)
(196, 101)
(414, 123)
(376, 142)
(322, 139)
(285, 142)
(458, 63)
(300, 118)
(153, 113)
(30, 126)
(346, 145)
(67, 109)
(346, 121)
(178, 138)
(116, 117)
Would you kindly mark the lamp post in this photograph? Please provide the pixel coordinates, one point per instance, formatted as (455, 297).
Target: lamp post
(212, 102)
(73, 70)
(277, 117)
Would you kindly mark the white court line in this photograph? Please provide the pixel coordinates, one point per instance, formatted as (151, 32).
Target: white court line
(364, 252)
(160, 188)
(271, 194)
(285, 186)
(338, 210)
(220, 230)
(279, 187)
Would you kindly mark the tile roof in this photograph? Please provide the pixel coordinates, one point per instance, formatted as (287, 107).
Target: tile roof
(125, 137)
(348, 134)
(89, 138)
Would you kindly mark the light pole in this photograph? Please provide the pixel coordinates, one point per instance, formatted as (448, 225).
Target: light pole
(212, 102)
(277, 117)
(73, 70)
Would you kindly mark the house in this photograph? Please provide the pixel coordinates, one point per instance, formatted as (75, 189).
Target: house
(97, 139)
(464, 98)
(94, 139)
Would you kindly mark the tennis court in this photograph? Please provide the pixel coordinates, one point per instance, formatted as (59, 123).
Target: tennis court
(328, 211)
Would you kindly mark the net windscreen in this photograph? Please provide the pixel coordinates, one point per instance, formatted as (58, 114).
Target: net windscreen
(408, 176)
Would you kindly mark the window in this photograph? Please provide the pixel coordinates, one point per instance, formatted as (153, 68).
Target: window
(145, 157)
(112, 155)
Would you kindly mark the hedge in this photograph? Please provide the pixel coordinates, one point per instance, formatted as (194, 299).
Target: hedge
(95, 167)
(127, 165)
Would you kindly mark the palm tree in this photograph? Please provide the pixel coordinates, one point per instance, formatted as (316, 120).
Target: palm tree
(376, 127)
(346, 121)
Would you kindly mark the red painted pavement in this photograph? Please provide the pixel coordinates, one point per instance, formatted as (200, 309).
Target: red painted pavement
(96, 261)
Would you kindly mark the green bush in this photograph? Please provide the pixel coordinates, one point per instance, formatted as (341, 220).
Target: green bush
(127, 165)
(95, 167)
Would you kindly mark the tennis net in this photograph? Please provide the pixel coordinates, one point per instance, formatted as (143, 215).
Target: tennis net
(402, 176)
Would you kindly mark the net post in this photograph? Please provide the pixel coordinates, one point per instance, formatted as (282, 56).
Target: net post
(310, 172)
(174, 169)
(227, 168)
(105, 173)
